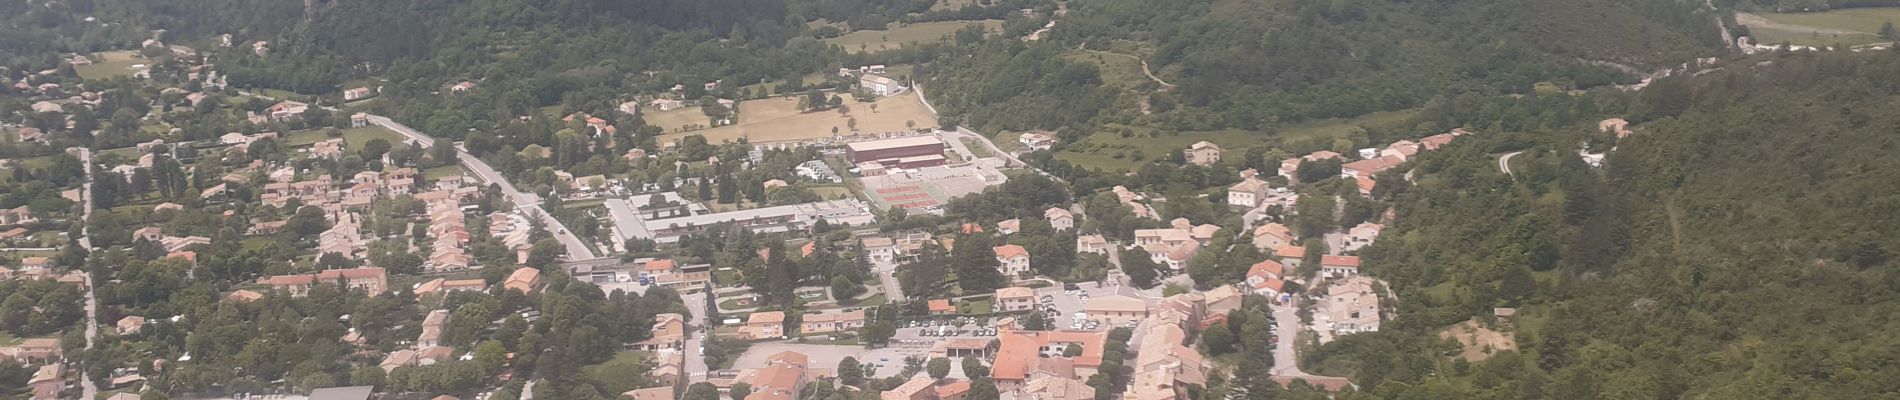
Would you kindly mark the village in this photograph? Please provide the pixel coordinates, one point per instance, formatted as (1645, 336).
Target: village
(901, 266)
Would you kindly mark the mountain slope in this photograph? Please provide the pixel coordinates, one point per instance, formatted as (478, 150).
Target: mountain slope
(1740, 246)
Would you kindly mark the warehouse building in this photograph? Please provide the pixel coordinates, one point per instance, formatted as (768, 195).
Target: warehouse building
(910, 152)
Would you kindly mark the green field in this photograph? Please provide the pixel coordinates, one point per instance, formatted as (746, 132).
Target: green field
(682, 119)
(832, 192)
(111, 64)
(948, 5)
(442, 171)
(928, 32)
(1100, 150)
(353, 138)
(1116, 70)
(1850, 27)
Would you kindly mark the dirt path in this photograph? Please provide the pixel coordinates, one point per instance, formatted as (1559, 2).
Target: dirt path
(1144, 66)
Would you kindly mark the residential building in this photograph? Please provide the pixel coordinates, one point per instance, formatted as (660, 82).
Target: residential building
(1352, 306)
(1059, 218)
(371, 280)
(783, 377)
(827, 322)
(1116, 309)
(1292, 256)
(1091, 244)
(1249, 193)
(1368, 167)
(942, 307)
(432, 326)
(1009, 226)
(879, 248)
(1362, 235)
(130, 324)
(1025, 356)
(1038, 140)
(1013, 260)
(1272, 235)
(763, 325)
(669, 333)
(1014, 298)
(1203, 153)
(1617, 126)
(1339, 266)
(1267, 278)
(882, 86)
(919, 387)
(524, 279)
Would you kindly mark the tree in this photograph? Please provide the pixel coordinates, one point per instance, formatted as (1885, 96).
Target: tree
(984, 389)
(973, 368)
(843, 288)
(1035, 322)
(1887, 31)
(374, 148)
(1218, 339)
(739, 390)
(938, 368)
(1141, 270)
(702, 391)
(850, 372)
(878, 333)
(976, 265)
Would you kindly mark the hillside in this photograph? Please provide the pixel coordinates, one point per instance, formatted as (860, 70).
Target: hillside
(1246, 64)
(1741, 245)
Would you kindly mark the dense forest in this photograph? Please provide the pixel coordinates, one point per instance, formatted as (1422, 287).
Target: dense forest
(1255, 63)
(1740, 245)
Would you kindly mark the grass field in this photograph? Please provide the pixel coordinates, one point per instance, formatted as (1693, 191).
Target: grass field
(678, 120)
(353, 138)
(928, 32)
(1099, 150)
(111, 64)
(832, 192)
(1851, 26)
(778, 119)
(442, 171)
(1119, 71)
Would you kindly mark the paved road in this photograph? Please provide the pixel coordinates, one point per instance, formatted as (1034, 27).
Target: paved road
(528, 203)
(696, 327)
(88, 391)
(1504, 163)
(1285, 360)
(887, 274)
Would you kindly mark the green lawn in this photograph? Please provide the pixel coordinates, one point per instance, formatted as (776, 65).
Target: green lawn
(832, 192)
(111, 64)
(1108, 150)
(353, 138)
(1800, 28)
(928, 32)
(983, 306)
(1116, 70)
(442, 171)
(809, 79)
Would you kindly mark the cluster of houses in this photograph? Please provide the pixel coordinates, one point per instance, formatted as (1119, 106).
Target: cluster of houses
(42, 268)
(1175, 245)
(873, 79)
(428, 349)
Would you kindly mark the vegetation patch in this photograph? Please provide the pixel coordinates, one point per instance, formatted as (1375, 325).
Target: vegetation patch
(111, 64)
(778, 119)
(927, 32)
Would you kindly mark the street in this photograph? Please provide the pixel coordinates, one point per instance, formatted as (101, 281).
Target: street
(88, 390)
(887, 274)
(528, 204)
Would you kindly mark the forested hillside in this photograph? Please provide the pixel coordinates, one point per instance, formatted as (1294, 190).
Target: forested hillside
(1248, 64)
(1739, 246)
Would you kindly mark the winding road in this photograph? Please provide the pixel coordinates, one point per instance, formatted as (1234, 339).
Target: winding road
(1504, 163)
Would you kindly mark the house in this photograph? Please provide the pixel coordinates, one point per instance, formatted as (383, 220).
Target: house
(1505, 316)
(879, 248)
(1009, 226)
(33, 350)
(1059, 218)
(1266, 278)
(1248, 193)
(763, 325)
(1091, 244)
(17, 215)
(30, 134)
(666, 104)
(1117, 309)
(782, 378)
(1169, 237)
(243, 296)
(1013, 259)
(35, 263)
(1617, 126)
(919, 387)
(47, 381)
(1404, 150)
(1203, 153)
(1362, 235)
(1272, 236)
(1015, 298)
(880, 85)
(286, 110)
(524, 279)
(1038, 140)
(652, 393)
(1339, 266)
(1352, 306)
(1025, 356)
(669, 333)
(432, 326)
(331, 149)
(371, 280)
(462, 86)
(358, 94)
(942, 307)
(1368, 167)
(343, 393)
(827, 322)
